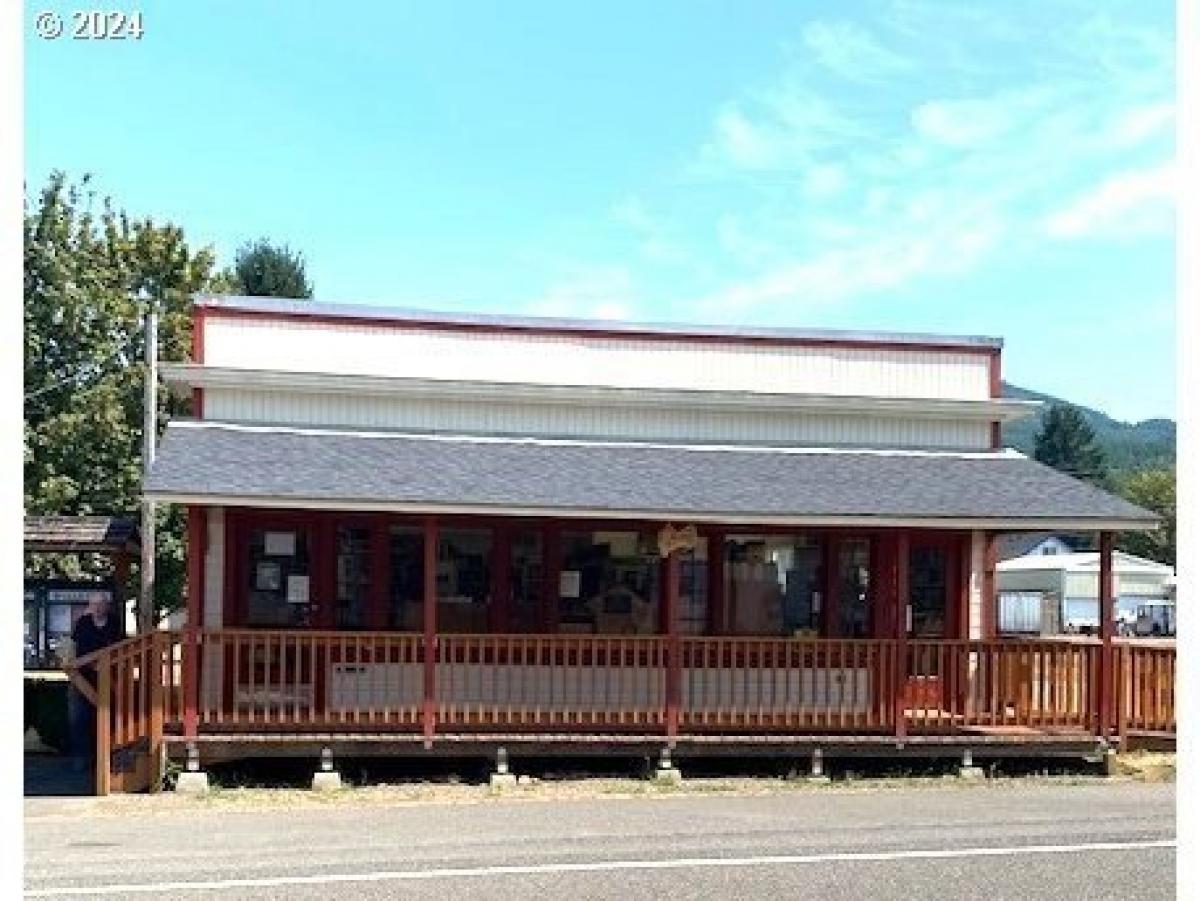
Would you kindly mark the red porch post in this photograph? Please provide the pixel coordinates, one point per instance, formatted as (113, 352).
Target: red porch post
(429, 642)
(674, 648)
(830, 616)
(901, 623)
(196, 547)
(1105, 596)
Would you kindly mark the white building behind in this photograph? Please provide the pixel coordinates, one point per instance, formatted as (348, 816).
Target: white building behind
(1074, 579)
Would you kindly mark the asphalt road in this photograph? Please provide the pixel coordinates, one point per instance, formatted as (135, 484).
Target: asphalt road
(1000, 841)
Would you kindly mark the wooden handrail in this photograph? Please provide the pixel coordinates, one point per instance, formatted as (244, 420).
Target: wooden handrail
(131, 700)
(327, 680)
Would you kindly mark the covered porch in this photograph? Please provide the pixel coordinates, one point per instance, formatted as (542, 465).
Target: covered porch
(478, 624)
(523, 635)
(397, 593)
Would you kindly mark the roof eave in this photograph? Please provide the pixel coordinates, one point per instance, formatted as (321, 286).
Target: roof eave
(357, 505)
(187, 376)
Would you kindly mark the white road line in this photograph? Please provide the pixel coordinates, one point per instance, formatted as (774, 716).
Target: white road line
(217, 885)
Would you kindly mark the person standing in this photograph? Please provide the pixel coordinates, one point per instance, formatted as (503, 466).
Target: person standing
(97, 628)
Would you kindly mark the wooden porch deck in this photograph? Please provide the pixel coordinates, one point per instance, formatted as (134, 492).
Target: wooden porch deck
(254, 692)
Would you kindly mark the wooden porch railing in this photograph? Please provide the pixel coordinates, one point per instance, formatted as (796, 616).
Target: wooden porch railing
(278, 680)
(137, 692)
(787, 684)
(551, 681)
(1045, 685)
(244, 680)
(1144, 670)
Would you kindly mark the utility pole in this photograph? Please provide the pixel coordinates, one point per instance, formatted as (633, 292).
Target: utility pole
(149, 440)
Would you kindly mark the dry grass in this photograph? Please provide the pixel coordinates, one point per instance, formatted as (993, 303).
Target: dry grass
(1134, 767)
(1147, 766)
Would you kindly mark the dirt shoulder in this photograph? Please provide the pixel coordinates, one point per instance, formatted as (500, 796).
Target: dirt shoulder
(1135, 767)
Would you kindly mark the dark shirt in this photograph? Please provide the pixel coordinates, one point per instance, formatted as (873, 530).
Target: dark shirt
(88, 637)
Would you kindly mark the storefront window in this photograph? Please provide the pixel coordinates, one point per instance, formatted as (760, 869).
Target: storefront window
(353, 576)
(693, 590)
(608, 583)
(278, 578)
(927, 591)
(854, 585)
(407, 556)
(773, 585)
(526, 581)
(464, 580)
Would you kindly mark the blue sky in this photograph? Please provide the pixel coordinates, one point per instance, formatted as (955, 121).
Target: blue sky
(997, 168)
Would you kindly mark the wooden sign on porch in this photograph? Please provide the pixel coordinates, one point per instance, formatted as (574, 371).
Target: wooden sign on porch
(673, 538)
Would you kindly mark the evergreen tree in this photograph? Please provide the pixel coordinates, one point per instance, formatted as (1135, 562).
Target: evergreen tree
(1067, 443)
(1153, 489)
(261, 269)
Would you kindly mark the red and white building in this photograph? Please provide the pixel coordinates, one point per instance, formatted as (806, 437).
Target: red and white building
(414, 532)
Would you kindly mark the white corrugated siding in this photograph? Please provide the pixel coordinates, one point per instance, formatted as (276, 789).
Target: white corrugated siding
(584, 421)
(1087, 585)
(1029, 580)
(593, 360)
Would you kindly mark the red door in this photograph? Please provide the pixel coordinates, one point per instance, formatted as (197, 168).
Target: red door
(934, 565)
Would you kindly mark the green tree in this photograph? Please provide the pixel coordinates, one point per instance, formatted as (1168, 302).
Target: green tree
(261, 269)
(91, 272)
(1153, 489)
(1067, 443)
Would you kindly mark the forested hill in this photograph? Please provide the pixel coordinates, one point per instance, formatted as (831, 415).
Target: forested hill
(1148, 444)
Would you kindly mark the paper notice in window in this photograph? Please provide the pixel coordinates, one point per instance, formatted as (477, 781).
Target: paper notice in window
(279, 544)
(568, 583)
(297, 589)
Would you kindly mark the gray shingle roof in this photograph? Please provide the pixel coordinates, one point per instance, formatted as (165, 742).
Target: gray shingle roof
(218, 460)
(80, 533)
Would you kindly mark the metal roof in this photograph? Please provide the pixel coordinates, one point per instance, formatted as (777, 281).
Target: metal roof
(372, 470)
(1084, 561)
(417, 317)
(74, 534)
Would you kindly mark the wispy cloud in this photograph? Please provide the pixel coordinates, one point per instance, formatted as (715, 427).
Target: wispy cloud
(923, 145)
(839, 188)
(1143, 123)
(976, 121)
(851, 51)
(785, 127)
(1124, 205)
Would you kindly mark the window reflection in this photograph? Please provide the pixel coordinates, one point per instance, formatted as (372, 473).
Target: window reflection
(854, 586)
(353, 576)
(407, 558)
(608, 583)
(463, 580)
(773, 585)
(927, 591)
(693, 590)
(526, 581)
